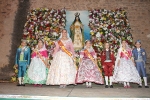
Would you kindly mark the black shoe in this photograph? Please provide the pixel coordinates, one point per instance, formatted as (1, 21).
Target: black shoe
(111, 86)
(139, 86)
(18, 84)
(22, 84)
(146, 86)
(106, 86)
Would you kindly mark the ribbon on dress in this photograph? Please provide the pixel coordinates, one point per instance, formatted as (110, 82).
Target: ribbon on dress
(63, 48)
(40, 56)
(91, 57)
(126, 53)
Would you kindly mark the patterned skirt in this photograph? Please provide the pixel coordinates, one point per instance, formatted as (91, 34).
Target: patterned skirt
(36, 73)
(88, 72)
(62, 70)
(126, 72)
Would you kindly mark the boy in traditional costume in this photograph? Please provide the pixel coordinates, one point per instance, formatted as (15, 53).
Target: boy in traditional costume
(139, 55)
(22, 61)
(108, 61)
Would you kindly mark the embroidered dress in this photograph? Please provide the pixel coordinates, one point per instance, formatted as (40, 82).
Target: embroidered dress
(62, 69)
(88, 71)
(37, 71)
(126, 71)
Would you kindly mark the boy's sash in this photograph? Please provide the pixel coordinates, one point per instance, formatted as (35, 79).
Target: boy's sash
(66, 51)
(91, 57)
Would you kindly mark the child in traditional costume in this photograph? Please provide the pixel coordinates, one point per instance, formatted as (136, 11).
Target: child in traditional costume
(108, 62)
(36, 73)
(125, 70)
(139, 55)
(22, 61)
(88, 69)
(62, 70)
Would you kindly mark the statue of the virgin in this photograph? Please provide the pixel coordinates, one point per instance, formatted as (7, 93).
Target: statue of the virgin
(77, 33)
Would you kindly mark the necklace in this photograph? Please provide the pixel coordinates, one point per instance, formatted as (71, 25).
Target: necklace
(64, 38)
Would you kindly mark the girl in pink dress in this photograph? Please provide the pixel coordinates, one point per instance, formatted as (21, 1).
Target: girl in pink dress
(88, 69)
(125, 70)
(62, 70)
(36, 73)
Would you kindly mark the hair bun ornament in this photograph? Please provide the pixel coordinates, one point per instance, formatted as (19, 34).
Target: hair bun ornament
(87, 41)
(23, 40)
(41, 39)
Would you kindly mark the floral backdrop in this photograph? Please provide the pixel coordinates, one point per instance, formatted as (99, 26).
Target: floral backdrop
(106, 26)
(109, 26)
(45, 24)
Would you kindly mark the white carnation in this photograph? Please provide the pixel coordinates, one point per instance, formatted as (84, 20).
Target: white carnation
(98, 34)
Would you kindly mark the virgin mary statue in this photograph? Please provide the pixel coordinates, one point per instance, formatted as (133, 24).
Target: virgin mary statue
(77, 33)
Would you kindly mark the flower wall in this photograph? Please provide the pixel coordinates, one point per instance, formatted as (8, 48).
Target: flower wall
(45, 24)
(109, 26)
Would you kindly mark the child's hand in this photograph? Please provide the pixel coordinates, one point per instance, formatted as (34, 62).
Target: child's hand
(48, 66)
(118, 64)
(35, 50)
(113, 66)
(16, 66)
(103, 66)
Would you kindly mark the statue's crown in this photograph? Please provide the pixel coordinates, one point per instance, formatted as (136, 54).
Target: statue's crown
(77, 14)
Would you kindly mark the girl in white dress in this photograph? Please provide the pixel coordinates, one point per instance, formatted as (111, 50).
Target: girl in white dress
(125, 70)
(62, 70)
(37, 71)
